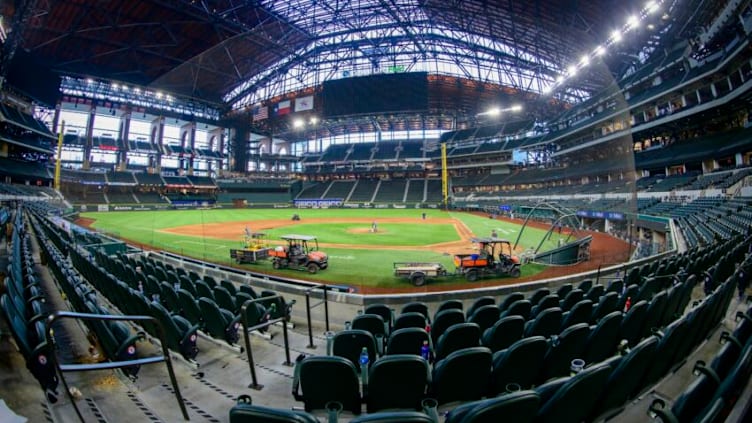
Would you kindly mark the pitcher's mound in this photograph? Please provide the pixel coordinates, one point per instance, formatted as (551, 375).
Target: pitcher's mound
(364, 231)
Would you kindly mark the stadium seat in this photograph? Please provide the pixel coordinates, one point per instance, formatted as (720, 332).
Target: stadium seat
(570, 299)
(565, 289)
(417, 307)
(505, 332)
(397, 381)
(538, 295)
(224, 299)
(522, 406)
(444, 319)
(624, 382)
(585, 285)
(169, 297)
(245, 412)
(410, 320)
(608, 303)
(189, 308)
(520, 308)
(633, 323)
(457, 337)
(663, 361)
(580, 313)
(564, 348)
(545, 303)
(509, 299)
(446, 305)
(573, 401)
(603, 339)
(218, 322)
(323, 379)
(519, 364)
(203, 290)
(485, 316)
(386, 313)
(229, 286)
(653, 314)
(350, 343)
(547, 323)
(406, 341)
(478, 303)
(394, 417)
(180, 333)
(374, 324)
(462, 376)
(594, 293)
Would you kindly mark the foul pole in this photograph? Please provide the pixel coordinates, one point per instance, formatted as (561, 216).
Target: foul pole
(444, 177)
(59, 158)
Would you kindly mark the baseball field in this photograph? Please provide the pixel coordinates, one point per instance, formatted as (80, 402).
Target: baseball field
(358, 256)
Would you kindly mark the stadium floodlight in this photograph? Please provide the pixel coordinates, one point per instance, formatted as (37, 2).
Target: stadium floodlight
(633, 22)
(298, 123)
(159, 94)
(599, 51)
(547, 89)
(314, 120)
(137, 90)
(516, 108)
(585, 60)
(651, 7)
(115, 86)
(572, 70)
(616, 36)
(560, 79)
(89, 81)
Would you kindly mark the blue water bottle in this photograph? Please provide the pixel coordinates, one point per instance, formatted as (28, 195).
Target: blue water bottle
(425, 351)
(364, 365)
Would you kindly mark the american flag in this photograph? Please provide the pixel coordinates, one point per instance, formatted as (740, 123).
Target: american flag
(259, 112)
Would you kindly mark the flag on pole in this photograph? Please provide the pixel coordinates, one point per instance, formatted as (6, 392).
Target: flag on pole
(304, 103)
(259, 112)
(282, 108)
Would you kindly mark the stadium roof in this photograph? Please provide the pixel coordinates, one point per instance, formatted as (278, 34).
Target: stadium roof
(237, 51)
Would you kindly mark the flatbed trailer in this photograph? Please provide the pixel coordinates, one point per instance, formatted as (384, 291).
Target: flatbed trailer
(243, 255)
(418, 272)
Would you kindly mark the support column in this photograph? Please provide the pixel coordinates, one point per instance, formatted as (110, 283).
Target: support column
(86, 165)
(187, 141)
(157, 136)
(125, 130)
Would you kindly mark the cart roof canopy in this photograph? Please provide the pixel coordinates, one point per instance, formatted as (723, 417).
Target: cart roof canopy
(293, 237)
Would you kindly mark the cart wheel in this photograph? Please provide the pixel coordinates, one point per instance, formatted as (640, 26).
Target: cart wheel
(471, 275)
(515, 272)
(418, 279)
(276, 264)
(312, 267)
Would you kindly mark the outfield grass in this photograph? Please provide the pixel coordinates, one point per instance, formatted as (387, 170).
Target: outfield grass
(350, 266)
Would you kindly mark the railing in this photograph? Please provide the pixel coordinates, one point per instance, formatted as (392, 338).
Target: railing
(64, 368)
(325, 301)
(247, 328)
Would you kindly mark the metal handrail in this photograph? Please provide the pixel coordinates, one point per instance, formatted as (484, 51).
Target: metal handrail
(325, 301)
(247, 329)
(63, 368)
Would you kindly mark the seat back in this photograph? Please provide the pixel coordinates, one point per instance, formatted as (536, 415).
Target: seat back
(580, 313)
(574, 401)
(397, 381)
(416, 307)
(549, 301)
(538, 295)
(372, 323)
(595, 292)
(394, 417)
(406, 341)
(410, 320)
(448, 304)
(608, 303)
(350, 343)
(444, 320)
(248, 413)
(190, 309)
(384, 311)
(624, 381)
(329, 378)
(633, 322)
(518, 364)
(485, 316)
(224, 299)
(573, 297)
(462, 376)
(520, 308)
(546, 324)
(523, 405)
(564, 348)
(509, 299)
(478, 303)
(219, 324)
(505, 332)
(603, 339)
(457, 337)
